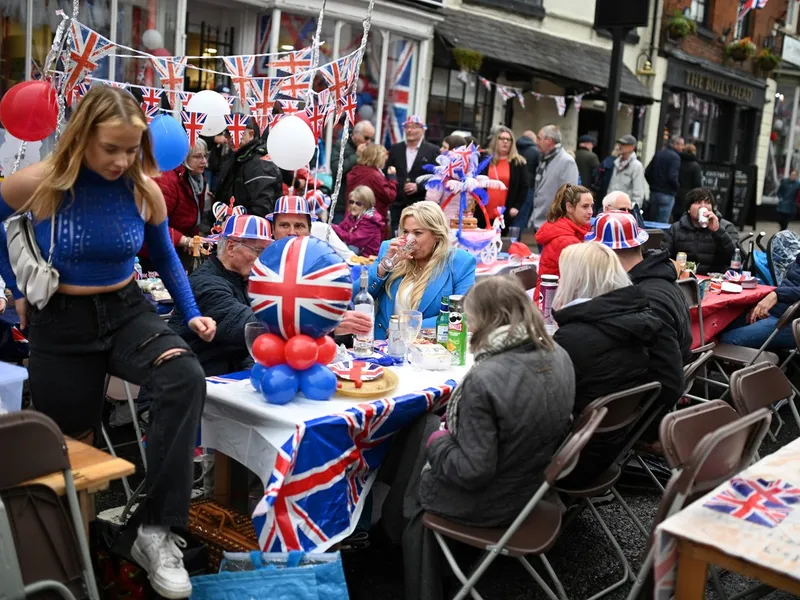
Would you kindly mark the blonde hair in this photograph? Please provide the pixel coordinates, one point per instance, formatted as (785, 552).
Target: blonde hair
(514, 157)
(102, 106)
(430, 216)
(588, 270)
(373, 155)
(365, 195)
(566, 194)
(497, 301)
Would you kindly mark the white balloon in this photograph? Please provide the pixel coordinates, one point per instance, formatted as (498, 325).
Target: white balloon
(214, 124)
(291, 143)
(152, 39)
(209, 102)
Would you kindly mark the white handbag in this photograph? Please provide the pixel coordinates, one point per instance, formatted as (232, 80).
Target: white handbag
(37, 279)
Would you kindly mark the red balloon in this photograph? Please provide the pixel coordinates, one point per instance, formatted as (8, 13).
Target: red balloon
(326, 350)
(301, 352)
(29, 110)
(269, 350)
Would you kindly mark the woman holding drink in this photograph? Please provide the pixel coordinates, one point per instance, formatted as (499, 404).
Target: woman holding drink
(417, 269)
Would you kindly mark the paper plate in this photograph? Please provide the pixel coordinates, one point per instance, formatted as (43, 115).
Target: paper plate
(731, 288)
(369, 371)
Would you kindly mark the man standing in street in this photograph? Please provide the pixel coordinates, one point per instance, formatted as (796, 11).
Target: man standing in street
(408, 158)
(556, 167)
(586, 160)
(628, 173)
(526, 146)
(663, 174)
(363, 133)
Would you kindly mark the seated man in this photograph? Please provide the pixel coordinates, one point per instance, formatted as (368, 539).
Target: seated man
(293, 216)
(753, 328)
(709, 244)
(617, 201)
(220, 288)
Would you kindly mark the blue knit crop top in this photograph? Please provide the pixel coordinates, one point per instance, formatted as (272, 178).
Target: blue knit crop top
(99, 231)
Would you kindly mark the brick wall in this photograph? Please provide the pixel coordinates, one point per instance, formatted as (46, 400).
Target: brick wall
(722, 15)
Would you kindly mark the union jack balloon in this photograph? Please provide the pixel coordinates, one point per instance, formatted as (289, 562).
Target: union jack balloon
(300, 285)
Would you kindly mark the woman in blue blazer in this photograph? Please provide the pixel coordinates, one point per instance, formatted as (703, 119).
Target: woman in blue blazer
(421, 278)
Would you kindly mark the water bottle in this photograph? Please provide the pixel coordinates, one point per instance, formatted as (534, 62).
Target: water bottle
(362, 344)
(137, 269)
(736, 261)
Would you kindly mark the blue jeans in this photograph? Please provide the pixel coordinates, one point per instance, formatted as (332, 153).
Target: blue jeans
(524, 215)
(754, 336)
(662, 206)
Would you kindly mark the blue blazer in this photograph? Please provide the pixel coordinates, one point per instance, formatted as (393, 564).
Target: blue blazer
(457, 277)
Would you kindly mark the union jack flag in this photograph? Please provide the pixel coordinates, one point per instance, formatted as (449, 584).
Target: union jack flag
(338, 78)
(193, 123)
(758, 501)
(170, 70)
(241, 70)
(151, 96)
(150, 112)
(397, 108)
(366, 371)
(747, 5)
(298, 289)
(263, 104)
(88, 49)
(312, 497)
(293, 63)
(289, 107)
(237, 123)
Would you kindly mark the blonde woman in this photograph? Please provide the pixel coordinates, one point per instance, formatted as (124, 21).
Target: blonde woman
(96, 190)
(369, 172)
(503, 423)
(508, 166)
(362, 228)
(421, 277)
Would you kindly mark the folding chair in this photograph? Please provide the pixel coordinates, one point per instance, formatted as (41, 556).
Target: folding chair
(692, 371)
(535, 529)
(725, 448)
(42, 548)
(762, 386)
(527, 275)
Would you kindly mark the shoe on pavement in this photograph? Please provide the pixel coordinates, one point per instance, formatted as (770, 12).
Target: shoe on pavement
(158, 553)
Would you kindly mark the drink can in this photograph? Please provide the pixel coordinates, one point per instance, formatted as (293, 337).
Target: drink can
(716, 285)
(457, 331)
(702, 217)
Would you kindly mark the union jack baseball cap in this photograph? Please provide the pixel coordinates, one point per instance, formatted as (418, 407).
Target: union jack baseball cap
(617, 230)
(415, 120)
(292, 205)
(248, 227)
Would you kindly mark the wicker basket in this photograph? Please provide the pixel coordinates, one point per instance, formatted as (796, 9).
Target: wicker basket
(222, 530)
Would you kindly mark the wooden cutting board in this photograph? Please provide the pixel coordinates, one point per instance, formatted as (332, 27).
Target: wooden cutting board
(370, 389)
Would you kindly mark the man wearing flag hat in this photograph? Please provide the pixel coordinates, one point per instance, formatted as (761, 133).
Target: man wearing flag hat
(220, 288)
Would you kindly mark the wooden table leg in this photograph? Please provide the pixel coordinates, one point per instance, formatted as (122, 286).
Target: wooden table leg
(86, 502)
(692, 574)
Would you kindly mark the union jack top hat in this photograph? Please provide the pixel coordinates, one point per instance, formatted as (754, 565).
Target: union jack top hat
(248, 227)
(415, 120)
(292, 205)
(617, 230)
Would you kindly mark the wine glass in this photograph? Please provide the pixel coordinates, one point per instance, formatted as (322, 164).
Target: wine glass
(251, 332)
(410, 325)
(513, 234)
(390, 262)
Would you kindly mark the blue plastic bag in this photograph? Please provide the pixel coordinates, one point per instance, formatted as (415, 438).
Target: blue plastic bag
(277, 576)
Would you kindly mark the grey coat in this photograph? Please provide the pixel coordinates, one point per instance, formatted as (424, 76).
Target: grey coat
(558, 170)
(629, 180)
(514, 411)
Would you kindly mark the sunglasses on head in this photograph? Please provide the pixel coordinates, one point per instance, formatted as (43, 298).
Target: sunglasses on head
(355, 203)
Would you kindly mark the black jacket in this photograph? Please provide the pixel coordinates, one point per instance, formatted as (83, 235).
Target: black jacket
(221, 295)
(255, 183)
(789, 290)
(587, 162)
(517, 190)
(608, 339)
(426, 154)
(514, 411)
(656, 277)
(712, 251)
(528, 149)
(663, 172)
(691, 177)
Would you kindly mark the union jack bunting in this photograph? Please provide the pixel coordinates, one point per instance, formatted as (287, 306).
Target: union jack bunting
(263, 103)
(289, 107)
(237, 123)
(186, 97)
(170, 71)
(312, 498)
(521, 99)
(758, 501)
(485, 83)
(506, 93)
(193, 123)
(88, 49)
(337, 76)
(300, 31)
(347, 107)
(293, 62)
(241, 70)
(229, 99)
(296, 86)
(150, 112)
(151, 97)
(316, 113)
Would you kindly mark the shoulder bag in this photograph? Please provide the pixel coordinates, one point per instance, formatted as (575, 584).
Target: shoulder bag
(37, 279)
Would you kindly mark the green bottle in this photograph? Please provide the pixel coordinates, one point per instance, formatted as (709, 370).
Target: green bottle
(443, 322)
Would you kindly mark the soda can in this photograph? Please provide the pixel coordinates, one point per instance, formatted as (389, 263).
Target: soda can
(681, 259)
(457, 331)
(702, 217)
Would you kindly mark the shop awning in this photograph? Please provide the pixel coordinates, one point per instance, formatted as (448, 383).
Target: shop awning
(566, 61)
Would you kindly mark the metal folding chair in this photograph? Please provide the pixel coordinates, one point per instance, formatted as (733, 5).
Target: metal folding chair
(527, 276)
(762, 386)
(532, 533)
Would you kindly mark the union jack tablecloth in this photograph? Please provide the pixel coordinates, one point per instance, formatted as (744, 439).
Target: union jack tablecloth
(754, 517)
(317, 460)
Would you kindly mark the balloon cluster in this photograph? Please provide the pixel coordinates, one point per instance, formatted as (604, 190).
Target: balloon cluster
(284, 368)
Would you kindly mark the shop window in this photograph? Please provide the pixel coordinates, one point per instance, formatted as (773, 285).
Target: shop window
(134, 18)
(696, 119)
(456, 106)
(699, 11)
(744, 26)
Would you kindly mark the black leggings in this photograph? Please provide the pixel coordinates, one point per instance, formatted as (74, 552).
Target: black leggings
(76, 340)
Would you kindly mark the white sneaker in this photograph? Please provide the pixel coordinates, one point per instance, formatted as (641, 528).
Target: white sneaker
(158, 553)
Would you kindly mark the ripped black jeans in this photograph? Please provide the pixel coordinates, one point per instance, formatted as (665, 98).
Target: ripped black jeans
(76, 340)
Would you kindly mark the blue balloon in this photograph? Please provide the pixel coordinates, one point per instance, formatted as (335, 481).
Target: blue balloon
(170, 144)
(256, 373)
(280, 384)
(318, 382)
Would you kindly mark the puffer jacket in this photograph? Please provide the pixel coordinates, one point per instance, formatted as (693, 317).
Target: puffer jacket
(513, 413)
(691, 177)
(222, 295)
(711, 250)
(252, 179)
(788, 291)
(553, 238)
(363, 233)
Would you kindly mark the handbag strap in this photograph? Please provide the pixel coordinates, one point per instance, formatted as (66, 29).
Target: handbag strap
(52, 240)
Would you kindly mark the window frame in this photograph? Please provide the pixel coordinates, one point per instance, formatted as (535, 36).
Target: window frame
(706, 7)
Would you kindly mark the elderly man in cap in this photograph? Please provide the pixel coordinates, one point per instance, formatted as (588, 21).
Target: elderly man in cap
(655, 275)
(628, 175)
(220, 288)
(586, 160)
(294, 217)
(408, 158)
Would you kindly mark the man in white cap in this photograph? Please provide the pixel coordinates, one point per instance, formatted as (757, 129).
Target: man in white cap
(628, 175)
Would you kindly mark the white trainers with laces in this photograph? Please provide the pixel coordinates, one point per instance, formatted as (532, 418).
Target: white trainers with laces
(158, 553)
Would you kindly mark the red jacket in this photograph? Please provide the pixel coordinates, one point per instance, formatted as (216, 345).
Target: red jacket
(553, 238)
(183, 210)
(384, 188)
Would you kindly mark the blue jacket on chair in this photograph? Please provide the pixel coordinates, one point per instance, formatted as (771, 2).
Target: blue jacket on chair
(457, 277)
